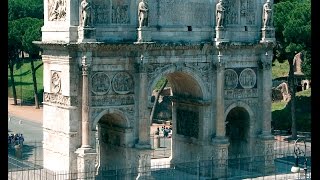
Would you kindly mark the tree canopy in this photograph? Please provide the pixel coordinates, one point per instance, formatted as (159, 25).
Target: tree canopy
(292, 21)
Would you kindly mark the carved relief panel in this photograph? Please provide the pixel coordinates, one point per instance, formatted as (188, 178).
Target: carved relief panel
(122, 83)
(240, 12)
(240, 83)
(111, 11)
(188, 122)
(57, 10)
(55, 82)
(100, 83)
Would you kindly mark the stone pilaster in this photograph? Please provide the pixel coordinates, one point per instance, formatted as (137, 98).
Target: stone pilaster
(85, 102)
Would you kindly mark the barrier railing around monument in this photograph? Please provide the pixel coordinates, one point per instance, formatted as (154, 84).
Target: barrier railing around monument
(236, 168)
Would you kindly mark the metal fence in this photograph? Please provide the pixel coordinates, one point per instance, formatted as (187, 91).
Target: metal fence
(30, 166)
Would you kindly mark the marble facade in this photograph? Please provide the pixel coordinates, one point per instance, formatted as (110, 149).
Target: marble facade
(98, 81)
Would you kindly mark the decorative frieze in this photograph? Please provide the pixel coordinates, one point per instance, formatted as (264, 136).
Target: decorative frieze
(240, 93)
(58, 99)
(112, 100)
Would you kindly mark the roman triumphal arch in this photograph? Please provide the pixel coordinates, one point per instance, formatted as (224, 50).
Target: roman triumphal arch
(102, 59)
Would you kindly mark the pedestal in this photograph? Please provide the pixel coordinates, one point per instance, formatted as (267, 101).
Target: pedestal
(220, 157)
(144, 35)
(86, 163)
(144, 164)
(264, 154)
(220, 35)
(86, 34)
(267, 35)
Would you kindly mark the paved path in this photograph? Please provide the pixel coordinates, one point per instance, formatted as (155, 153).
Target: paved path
(27, 112)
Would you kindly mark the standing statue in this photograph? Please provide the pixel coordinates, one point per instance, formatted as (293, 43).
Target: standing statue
(297, 61)
(142, 13)
(219, 14)
(267, 13)
(85, 13)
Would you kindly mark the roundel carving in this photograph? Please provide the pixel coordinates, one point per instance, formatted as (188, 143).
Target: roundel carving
(100, 83)
(122, 83)
(230, 79)
(55, 82)
(248, 78)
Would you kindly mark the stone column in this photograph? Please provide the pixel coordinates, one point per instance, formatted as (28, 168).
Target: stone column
(220, 121)
(85, 104)
(266, 78)
(144, 121)
(265, 143)
(86, 154)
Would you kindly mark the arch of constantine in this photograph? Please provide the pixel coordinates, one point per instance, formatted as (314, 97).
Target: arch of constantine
(100, 68)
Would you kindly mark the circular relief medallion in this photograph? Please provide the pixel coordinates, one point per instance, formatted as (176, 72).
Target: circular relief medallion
(100, 83)
(122, 83)
(55, 82)
(247, 78)
(230, 79)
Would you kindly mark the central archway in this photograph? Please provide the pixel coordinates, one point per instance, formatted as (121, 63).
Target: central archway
(187, 113)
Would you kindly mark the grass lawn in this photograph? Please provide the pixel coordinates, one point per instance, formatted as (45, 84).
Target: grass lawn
(24, 84)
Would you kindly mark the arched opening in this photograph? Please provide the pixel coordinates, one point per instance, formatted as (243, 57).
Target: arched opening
(185, 102)
(114, 136)
(237, 130)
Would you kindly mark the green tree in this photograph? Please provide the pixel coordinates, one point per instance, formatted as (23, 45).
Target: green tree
(292, 21)
(21, 33)
(33, 33)
(25, 8)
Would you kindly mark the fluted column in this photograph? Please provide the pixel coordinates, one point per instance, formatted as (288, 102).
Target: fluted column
(266, 78)
(144, 122)
(85, 104)
(220, 121)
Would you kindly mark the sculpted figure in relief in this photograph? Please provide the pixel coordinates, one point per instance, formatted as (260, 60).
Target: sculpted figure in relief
(142, 13)
(57, 10)
(267, 12)
(85, 13)
(219, 14)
